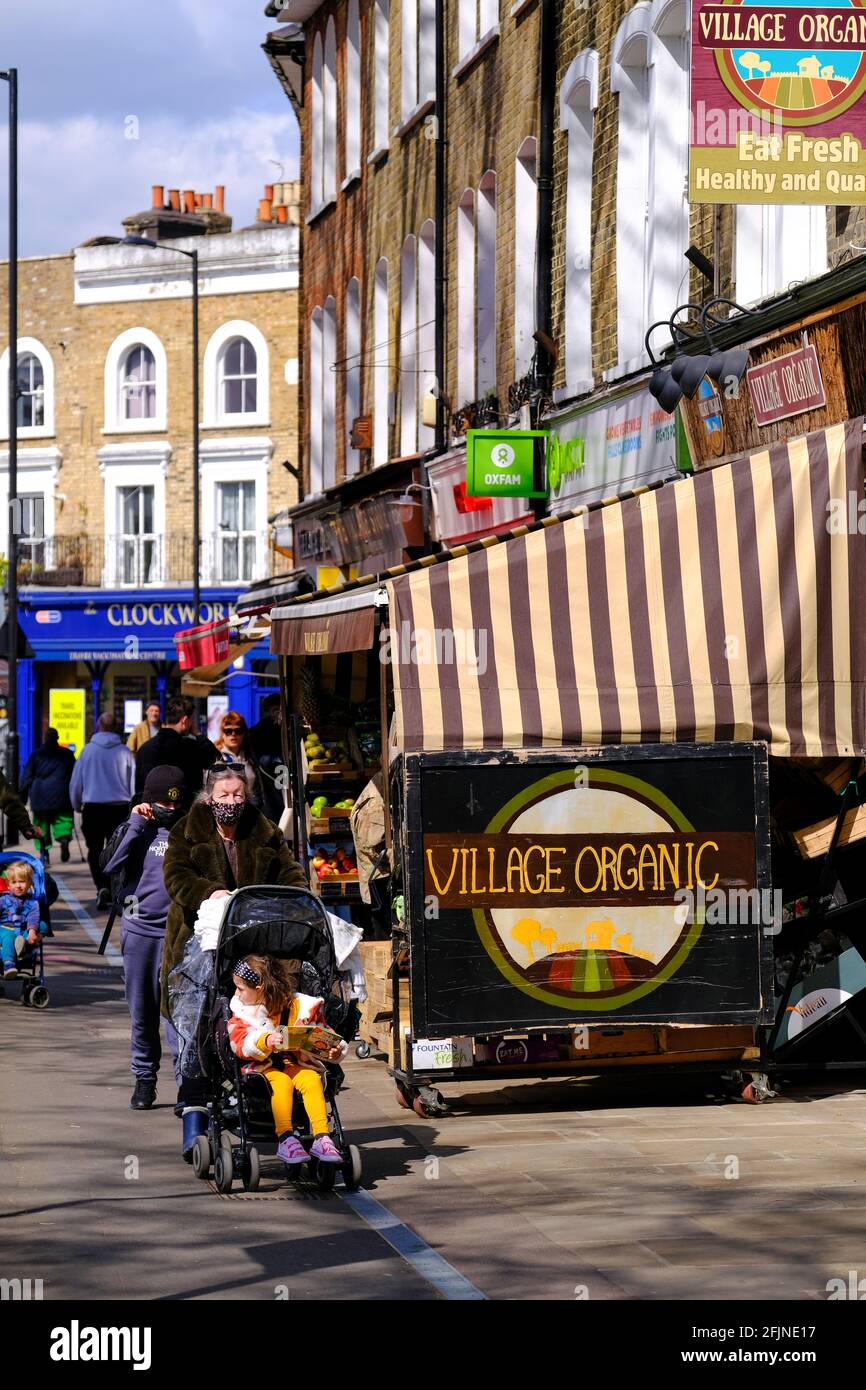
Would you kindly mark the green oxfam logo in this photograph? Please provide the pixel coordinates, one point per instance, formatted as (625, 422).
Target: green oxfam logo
(564, 458)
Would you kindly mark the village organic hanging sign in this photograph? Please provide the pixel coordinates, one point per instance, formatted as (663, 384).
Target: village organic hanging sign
(778, 102)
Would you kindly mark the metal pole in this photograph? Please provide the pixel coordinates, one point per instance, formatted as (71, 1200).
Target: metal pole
(12, 547)
(196, 539)
(439, 269)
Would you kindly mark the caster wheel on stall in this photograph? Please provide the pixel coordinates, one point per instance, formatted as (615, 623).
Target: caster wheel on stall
(223, 1170)
(433, 1101)
(201, 1157)
(250, 1173)
(362, 1050)
(351, 1170)
(758, 1089)
(39, 997)
(405, 1097)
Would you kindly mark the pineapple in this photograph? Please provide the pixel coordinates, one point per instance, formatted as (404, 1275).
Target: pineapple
(311, 707)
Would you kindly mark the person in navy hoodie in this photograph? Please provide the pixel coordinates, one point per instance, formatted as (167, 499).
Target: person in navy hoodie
(140, 854)
(46, 781)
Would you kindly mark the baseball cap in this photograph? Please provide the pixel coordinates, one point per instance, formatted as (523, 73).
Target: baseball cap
(164, 784)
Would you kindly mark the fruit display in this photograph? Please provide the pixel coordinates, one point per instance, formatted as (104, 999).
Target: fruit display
(320, 804)
(335, 864)
(326, 757)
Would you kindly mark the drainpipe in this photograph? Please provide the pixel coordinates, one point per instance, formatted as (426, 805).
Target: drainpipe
(439, 217)
(544, 242)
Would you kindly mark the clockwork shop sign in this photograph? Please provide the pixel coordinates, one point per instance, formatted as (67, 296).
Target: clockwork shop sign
(778, 102)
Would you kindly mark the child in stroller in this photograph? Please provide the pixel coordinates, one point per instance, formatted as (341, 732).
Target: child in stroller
(281, 935)
(24, 923)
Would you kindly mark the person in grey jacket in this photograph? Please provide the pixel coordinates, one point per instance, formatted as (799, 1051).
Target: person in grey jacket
(101, 788)
(140, 855)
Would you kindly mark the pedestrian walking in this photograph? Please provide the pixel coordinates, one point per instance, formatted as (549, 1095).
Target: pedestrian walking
(140, 857)
(176, 746)
(101, 788)
(234, 746)
(146, 729)
(15, 811)
(46, 782)
(266, 742)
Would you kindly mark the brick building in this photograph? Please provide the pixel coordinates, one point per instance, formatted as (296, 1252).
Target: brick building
(105, 441)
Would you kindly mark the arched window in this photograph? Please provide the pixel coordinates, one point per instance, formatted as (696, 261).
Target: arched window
(776, 246)
(408, 349)
(135, 383)
(31, 392)
(418, 54)
(238, 371)
(352, 370)
(578, 102)
(236, 376)
(330, 110)
(525, 231)
(630, 82)
(352, 145)
(466, 298)
(486, 306)
(315, 410)
(329, 393)
(668, 222)
(426, 325)
(317, 129)
(381, 368)
(382, 42)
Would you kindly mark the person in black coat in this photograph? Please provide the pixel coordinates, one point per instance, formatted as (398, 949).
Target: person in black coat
(46, 782)
(172, 746)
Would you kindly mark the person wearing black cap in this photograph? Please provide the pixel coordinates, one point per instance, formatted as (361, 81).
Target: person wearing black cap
(140, 854)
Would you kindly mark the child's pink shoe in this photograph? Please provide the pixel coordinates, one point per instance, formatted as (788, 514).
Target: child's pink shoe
(290, 1150)
(325, 1150)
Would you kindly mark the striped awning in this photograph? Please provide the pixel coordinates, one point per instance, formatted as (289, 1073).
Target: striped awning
(725, 606)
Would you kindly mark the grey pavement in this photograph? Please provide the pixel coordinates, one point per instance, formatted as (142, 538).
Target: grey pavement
(644, 1187)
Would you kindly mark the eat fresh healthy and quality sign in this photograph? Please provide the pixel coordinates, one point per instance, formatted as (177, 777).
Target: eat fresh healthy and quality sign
(778, 102)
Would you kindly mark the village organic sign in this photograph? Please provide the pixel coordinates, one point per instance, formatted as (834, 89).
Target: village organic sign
(787, 385)
(778, 113)
(546, 888)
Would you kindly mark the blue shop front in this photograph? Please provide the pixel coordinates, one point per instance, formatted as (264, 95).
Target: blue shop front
(118, 646)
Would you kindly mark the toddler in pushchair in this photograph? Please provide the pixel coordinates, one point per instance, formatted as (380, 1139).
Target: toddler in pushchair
(273, 1024)
(24, 923)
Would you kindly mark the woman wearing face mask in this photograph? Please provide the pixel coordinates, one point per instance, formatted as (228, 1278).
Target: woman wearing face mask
(140, 857)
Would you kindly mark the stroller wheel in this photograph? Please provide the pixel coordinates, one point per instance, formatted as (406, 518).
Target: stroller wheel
(323, 1174)
(39, 997)
(223, 1169)
(362, 1050)
(25, 994)
(201, 1157)
(250, 1173)
(351, 1170)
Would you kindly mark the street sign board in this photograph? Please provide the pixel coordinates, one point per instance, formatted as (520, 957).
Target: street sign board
(66, 715)
(502, 463)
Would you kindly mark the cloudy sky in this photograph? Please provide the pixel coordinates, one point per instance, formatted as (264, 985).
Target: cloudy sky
(207, 109)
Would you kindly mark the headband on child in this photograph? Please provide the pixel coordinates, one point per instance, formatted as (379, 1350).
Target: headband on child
(246, 972)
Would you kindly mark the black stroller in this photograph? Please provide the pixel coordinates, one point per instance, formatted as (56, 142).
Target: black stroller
(288, 923)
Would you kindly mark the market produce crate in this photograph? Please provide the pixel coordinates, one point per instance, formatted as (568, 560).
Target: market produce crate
(814, 840)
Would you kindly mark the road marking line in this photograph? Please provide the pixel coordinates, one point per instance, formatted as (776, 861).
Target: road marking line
(409, 1245)
(82, 916)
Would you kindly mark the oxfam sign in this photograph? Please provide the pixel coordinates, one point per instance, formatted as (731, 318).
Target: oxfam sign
(505, 463)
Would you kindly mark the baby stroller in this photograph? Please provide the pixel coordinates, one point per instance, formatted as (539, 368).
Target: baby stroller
(31, 963)
(289, 923)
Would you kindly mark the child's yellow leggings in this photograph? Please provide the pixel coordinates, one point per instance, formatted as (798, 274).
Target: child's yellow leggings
(309, 1083)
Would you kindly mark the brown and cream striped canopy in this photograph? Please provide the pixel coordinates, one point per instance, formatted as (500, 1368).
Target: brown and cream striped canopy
(725, 606)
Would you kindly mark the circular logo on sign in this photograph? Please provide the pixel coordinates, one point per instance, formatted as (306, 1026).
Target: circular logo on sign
(592, 956)
(799, 86)
(502, 456)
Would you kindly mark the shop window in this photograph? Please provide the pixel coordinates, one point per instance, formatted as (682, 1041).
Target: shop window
(236, 376)
(382, 366)
(352, 144)
(352, 370)
(136, 396)
(486, 282)
(777, 246)
(382, 94)
(236, 535)
(466, 299)
(317, 129)
(630, 82)
(418, 54)
(525, 232)
(329, 189)
(578, 102)
(137, 541)
(315, 410)
(408, 348)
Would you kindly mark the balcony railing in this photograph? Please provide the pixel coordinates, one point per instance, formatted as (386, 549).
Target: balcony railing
(145, 562)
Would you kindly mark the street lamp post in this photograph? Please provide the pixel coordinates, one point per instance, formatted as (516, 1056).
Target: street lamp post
(196, 538)
(11, 76)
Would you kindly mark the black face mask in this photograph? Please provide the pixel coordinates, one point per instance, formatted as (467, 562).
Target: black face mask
(164, 815)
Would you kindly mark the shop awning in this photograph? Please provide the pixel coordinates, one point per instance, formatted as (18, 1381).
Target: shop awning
(202, 679)
(261, 596)
(719, 607)
(321, 627)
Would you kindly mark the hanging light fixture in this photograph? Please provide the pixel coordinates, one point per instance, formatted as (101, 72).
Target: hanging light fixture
(725, 366)
(688, 369)
(662, 386)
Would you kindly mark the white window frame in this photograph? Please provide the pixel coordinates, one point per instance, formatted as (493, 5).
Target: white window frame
(382, 78)
(525, 237)
(352, 126)
(46, 361)
(466, 298)
(630, 81)
(38, 472)
(114, 362)
(426, 348)
(408, 346)
(214, 417)
(317, 128)
(578, 103)
(329, 177)
(417, 57)
(777, 245)
(132, 465)
(381, 364)
(352, 371)
(315, 406)
(477, 23)
(485, 283)
(329, 392)
(234, 460)
(668, 215)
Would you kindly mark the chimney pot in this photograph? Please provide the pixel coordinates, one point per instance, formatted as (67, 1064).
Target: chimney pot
(269, 192)
(208, 200)
(157, 195)
(219, 197)
(188, 200)
(282, 213)
(174, 199)
(264, 209)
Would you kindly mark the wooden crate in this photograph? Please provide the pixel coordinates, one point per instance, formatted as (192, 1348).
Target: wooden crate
(814, 840)
(379, 994)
